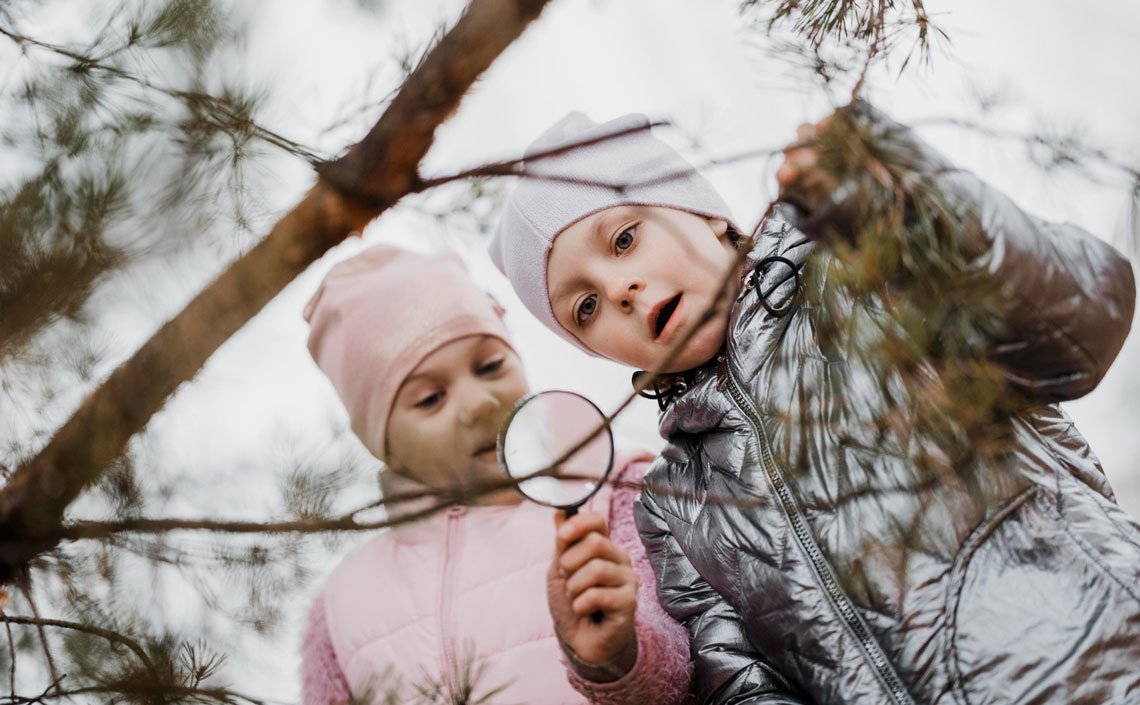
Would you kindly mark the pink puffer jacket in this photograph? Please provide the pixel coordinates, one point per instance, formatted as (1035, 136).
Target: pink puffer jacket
(410, 607)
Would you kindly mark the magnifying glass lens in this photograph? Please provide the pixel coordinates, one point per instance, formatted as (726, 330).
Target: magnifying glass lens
(551, 427)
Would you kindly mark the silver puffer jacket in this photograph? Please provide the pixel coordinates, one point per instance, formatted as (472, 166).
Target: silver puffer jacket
(811, 558)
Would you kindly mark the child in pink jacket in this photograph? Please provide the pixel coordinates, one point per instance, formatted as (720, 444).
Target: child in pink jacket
(457, 605)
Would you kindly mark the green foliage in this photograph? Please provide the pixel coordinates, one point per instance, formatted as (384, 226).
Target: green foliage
(197, 25)
(819, 22)
(462, 685)
(899, 300)
(116, 168)
(839, 40)
(120, 150)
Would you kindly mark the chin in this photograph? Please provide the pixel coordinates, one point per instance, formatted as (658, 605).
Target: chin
(701, 349)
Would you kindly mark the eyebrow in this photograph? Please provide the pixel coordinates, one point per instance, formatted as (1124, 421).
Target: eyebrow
(410, 381)
(415, 378)
(488, 345)
(598, 232)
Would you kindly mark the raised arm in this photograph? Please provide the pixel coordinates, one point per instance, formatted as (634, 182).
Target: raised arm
(1057, 302)
(1064, 299)
(727, 669)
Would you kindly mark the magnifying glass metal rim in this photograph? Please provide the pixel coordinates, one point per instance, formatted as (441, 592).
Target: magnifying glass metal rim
(500, 448)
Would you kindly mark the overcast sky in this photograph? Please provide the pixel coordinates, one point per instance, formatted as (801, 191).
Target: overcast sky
(1056, 64)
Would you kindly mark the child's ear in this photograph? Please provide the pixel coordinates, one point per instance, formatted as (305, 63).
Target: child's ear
(719, 226)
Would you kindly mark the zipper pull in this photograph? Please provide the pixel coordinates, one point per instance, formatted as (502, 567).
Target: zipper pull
(721, 370)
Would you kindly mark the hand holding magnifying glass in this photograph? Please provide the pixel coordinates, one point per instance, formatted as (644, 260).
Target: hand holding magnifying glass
(541, 446)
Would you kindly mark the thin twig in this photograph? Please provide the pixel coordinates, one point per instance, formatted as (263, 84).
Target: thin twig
(219, 694)
(213, 102)
(44, 695)
(871, 53)
(510, 167)
(26, 587)
(86, 628)
(1033, 138)
(96, 530)
(515, 167)
(12, 661)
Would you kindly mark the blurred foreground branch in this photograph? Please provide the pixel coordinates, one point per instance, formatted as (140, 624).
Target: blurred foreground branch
(373, 176)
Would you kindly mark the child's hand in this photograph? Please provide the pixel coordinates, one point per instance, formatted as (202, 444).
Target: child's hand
(589, 574)
(802, 179)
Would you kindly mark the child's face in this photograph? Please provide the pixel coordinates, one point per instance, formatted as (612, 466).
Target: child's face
(627, 281)
(446, 416)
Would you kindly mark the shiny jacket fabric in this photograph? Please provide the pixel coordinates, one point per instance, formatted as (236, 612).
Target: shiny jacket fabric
(773, 518)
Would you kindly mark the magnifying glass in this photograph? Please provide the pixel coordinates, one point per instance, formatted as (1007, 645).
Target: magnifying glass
(541, 429)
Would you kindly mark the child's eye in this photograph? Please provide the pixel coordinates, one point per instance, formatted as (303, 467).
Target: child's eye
(430, 401)
(624, 240)
(491, 367)
(585, 310)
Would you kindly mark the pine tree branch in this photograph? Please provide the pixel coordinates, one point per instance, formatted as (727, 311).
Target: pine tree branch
(102, 529)
(224, 115)
(54, 685)
(221, 695)
(26, 587)
(373, 176)
(107, 634)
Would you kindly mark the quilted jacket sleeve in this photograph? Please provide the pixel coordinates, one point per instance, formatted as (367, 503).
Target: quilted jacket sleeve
(1063, 300)
(662, 673)
(727, 670)
(322, 682)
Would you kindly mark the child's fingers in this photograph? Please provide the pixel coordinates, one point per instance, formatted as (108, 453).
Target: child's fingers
(604, 599)
(807, 131)
(802, 158)
(593, 545)
(573, 529)
(786, 174)
(599, 572)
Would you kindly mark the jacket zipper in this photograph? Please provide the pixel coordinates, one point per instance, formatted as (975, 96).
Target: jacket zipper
(826, 575)
(447, 647)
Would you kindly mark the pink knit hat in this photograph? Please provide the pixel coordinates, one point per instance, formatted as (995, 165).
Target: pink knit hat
(377, 315)
(633, 169)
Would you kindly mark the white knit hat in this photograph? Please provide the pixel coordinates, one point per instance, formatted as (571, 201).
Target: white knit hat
(634, 168)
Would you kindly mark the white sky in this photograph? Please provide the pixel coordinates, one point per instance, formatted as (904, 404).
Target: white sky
(1056, 62)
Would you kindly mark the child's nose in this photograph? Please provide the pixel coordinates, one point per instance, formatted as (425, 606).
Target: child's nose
(477, 406)
(623, 292)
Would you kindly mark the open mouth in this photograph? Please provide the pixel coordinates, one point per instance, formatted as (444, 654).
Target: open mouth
(664, 313)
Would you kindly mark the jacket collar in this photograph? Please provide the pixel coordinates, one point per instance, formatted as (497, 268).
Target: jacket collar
(777, 246)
